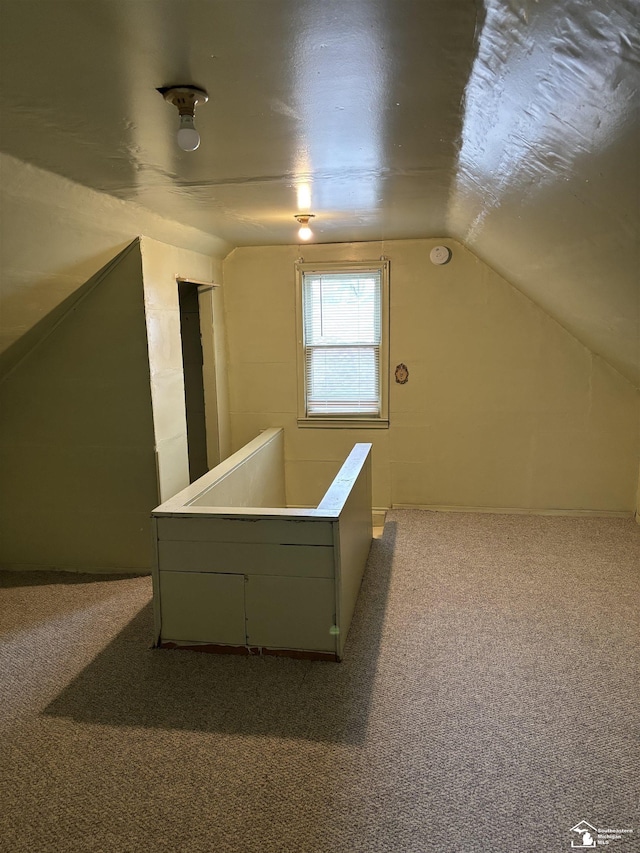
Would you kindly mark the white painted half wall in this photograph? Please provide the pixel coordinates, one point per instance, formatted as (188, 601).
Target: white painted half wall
(503, 408)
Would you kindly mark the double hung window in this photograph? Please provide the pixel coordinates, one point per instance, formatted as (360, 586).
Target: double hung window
(343, 347)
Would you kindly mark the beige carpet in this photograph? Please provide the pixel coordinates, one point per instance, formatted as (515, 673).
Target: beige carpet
(488, 702)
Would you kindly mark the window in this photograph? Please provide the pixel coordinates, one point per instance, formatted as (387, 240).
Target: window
(343, 344)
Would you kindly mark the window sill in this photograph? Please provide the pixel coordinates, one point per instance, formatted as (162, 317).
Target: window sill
(343, 423)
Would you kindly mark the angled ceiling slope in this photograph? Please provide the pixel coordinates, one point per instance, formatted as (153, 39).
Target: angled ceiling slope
(512, 126)
(547, 182)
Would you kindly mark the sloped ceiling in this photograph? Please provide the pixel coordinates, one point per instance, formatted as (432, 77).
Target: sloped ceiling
(511, 125)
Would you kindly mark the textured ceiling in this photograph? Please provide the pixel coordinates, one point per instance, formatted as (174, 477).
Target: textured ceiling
(511, 125)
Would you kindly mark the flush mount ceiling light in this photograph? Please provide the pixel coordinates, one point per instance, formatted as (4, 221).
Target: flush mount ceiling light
(186, 99)
(304, 233)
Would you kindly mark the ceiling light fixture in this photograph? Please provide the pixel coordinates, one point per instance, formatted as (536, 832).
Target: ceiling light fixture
(304, 233)
(186, 99)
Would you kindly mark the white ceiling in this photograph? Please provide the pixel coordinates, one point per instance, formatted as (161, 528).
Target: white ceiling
(511, 126)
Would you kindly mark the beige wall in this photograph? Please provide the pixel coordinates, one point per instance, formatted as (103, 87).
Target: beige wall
(77, 442)
(93, 433)
(161, 263)
(76, 435)
(57, 234)
(503, 408)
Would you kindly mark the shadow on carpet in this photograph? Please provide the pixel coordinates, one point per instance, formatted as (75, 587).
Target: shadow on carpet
(131, 684)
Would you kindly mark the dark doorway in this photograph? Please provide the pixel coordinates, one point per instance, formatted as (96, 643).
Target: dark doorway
(192, 361)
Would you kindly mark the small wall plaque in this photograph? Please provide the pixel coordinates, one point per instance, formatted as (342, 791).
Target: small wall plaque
(402, 374)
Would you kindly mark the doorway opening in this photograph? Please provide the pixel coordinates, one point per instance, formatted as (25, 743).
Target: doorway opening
(193, 361)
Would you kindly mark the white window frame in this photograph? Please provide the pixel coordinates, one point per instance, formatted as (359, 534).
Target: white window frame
(380, 421)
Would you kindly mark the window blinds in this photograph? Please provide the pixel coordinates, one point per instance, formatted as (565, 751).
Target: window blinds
(342, 338)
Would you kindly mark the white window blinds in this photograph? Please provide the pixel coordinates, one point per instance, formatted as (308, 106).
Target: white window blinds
(342, 340)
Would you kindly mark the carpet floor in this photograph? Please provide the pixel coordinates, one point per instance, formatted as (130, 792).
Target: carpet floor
(487, 703)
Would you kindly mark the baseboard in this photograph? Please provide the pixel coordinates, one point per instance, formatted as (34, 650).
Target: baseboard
(575, 513)
(378, 516)
(78, 570)
(251, 651)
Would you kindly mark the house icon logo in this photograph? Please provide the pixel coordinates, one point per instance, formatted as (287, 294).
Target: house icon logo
(585, 835)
